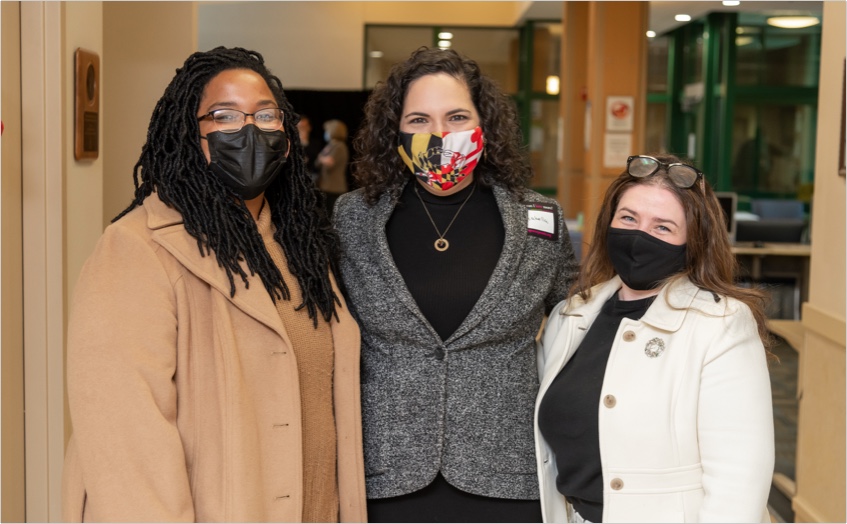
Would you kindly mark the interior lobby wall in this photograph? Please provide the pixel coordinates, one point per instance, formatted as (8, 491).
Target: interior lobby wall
(318, 45)
(821, 382)
(144, 44)
(12, 502)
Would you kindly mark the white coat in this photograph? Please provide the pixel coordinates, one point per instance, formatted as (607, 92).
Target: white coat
(685, 436)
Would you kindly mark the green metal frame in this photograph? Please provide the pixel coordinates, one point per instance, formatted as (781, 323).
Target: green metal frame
(714, 113)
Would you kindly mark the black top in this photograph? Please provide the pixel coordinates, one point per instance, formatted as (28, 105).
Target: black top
(446, 284)
(567, 416)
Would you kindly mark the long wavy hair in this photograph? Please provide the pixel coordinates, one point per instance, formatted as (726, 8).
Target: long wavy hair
(172, 163)
(379, 169)
(710, 263)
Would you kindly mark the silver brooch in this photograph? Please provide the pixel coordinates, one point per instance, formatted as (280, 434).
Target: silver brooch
(655, 347)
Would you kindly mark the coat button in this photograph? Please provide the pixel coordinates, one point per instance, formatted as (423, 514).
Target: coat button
(616, 484)
(609, 401)
(438, 354)
(629, 336)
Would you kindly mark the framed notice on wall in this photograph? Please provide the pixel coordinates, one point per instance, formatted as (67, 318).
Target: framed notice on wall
(86, 105)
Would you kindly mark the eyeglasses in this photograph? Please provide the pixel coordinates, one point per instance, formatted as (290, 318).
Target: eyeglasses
(682, 175)
(232, 120)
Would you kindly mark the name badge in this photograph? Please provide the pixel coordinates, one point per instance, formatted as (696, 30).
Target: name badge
(542, 220)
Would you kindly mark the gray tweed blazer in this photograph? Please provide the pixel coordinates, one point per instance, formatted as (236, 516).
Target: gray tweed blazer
(462, 406)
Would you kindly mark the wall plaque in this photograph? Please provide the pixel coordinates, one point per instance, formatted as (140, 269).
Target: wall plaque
(87, 105)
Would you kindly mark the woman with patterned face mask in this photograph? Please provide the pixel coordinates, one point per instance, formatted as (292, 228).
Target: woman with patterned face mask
(450, 264)
(655, 401)
(212, 363)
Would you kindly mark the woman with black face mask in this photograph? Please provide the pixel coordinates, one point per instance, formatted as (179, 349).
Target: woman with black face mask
(655, 402)
(213, 366)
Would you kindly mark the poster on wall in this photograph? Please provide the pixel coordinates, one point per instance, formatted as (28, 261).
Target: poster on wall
(619, 111)
(616, 149)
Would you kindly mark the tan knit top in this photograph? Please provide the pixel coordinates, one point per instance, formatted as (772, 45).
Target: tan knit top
(313, 350)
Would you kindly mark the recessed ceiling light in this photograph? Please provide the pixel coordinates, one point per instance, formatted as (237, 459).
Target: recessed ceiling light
(445, 35)
(731, 3)
(376, 54)
(682, 18)
(651, 34)
(793, 22)
(444, 44)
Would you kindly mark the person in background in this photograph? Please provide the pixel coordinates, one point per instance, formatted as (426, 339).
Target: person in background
(212, 366)
(310, 147)
(450, 264)
(332, 162)
(655, 400)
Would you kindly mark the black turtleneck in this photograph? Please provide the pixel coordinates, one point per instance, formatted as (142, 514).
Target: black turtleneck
(568, 418)
(446, 285)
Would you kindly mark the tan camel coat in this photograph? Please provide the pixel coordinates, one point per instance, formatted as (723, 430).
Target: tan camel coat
(185, 401)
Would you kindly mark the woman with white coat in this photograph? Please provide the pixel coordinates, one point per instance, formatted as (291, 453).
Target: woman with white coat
(655, 401)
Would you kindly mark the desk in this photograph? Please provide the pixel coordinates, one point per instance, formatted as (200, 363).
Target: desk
(784, 259)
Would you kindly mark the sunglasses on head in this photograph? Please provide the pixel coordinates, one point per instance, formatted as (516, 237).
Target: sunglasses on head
(682, 175)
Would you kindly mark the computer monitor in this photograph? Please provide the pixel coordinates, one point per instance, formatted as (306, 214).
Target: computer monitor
(729, 203)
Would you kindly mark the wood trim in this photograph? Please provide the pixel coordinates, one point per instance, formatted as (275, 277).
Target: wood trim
(824, 324)
(803, 512)
(43, 255)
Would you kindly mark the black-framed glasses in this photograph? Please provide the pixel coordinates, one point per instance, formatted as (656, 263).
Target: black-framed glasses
(232, 120)
(682, 175)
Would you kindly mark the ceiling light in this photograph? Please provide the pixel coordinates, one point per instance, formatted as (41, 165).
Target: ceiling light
(445, 35)
(444, 44)
(793, 22)
(741, 41)
(731, 3)
(682, 18)
(376, 54)
(552, 85)
(651, 34)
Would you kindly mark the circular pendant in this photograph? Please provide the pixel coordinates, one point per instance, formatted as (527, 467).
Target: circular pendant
(441, 244)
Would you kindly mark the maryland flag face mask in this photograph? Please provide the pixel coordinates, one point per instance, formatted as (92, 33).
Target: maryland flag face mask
(441, 160)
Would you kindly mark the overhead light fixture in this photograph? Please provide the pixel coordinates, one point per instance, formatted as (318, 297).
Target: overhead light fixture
(445, 35)
(552, 85)
(682, 18)
(731, 3)
(444, 44)
(741, 41)
(793, 22)
(376, 54)
(651, 34)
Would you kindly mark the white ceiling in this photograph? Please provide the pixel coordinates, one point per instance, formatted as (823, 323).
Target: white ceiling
(662, 12)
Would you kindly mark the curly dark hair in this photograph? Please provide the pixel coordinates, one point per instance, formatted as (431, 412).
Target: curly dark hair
(172, 163)
(380, 169)
(710, 263)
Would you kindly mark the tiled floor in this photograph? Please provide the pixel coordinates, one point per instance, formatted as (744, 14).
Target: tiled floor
(784, 389)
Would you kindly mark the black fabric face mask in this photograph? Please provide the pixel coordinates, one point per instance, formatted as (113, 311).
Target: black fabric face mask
(249, 160)
(642, 260)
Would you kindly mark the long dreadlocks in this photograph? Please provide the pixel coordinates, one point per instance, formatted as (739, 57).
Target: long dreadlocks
(172, 163)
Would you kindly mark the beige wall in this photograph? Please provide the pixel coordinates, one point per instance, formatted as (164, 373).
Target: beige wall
(318, 45)
(821, 426)
(12, 501)
(144, 43)
(83, 178)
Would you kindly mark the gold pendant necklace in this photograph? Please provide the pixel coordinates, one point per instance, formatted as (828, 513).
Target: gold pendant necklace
(441, 244)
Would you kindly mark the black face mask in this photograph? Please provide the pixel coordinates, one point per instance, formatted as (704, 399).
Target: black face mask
(249, 160)
(642, 260)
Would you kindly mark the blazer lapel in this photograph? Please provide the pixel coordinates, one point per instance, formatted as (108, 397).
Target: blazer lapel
(169, 232)
(385, 260)
(514, 217)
